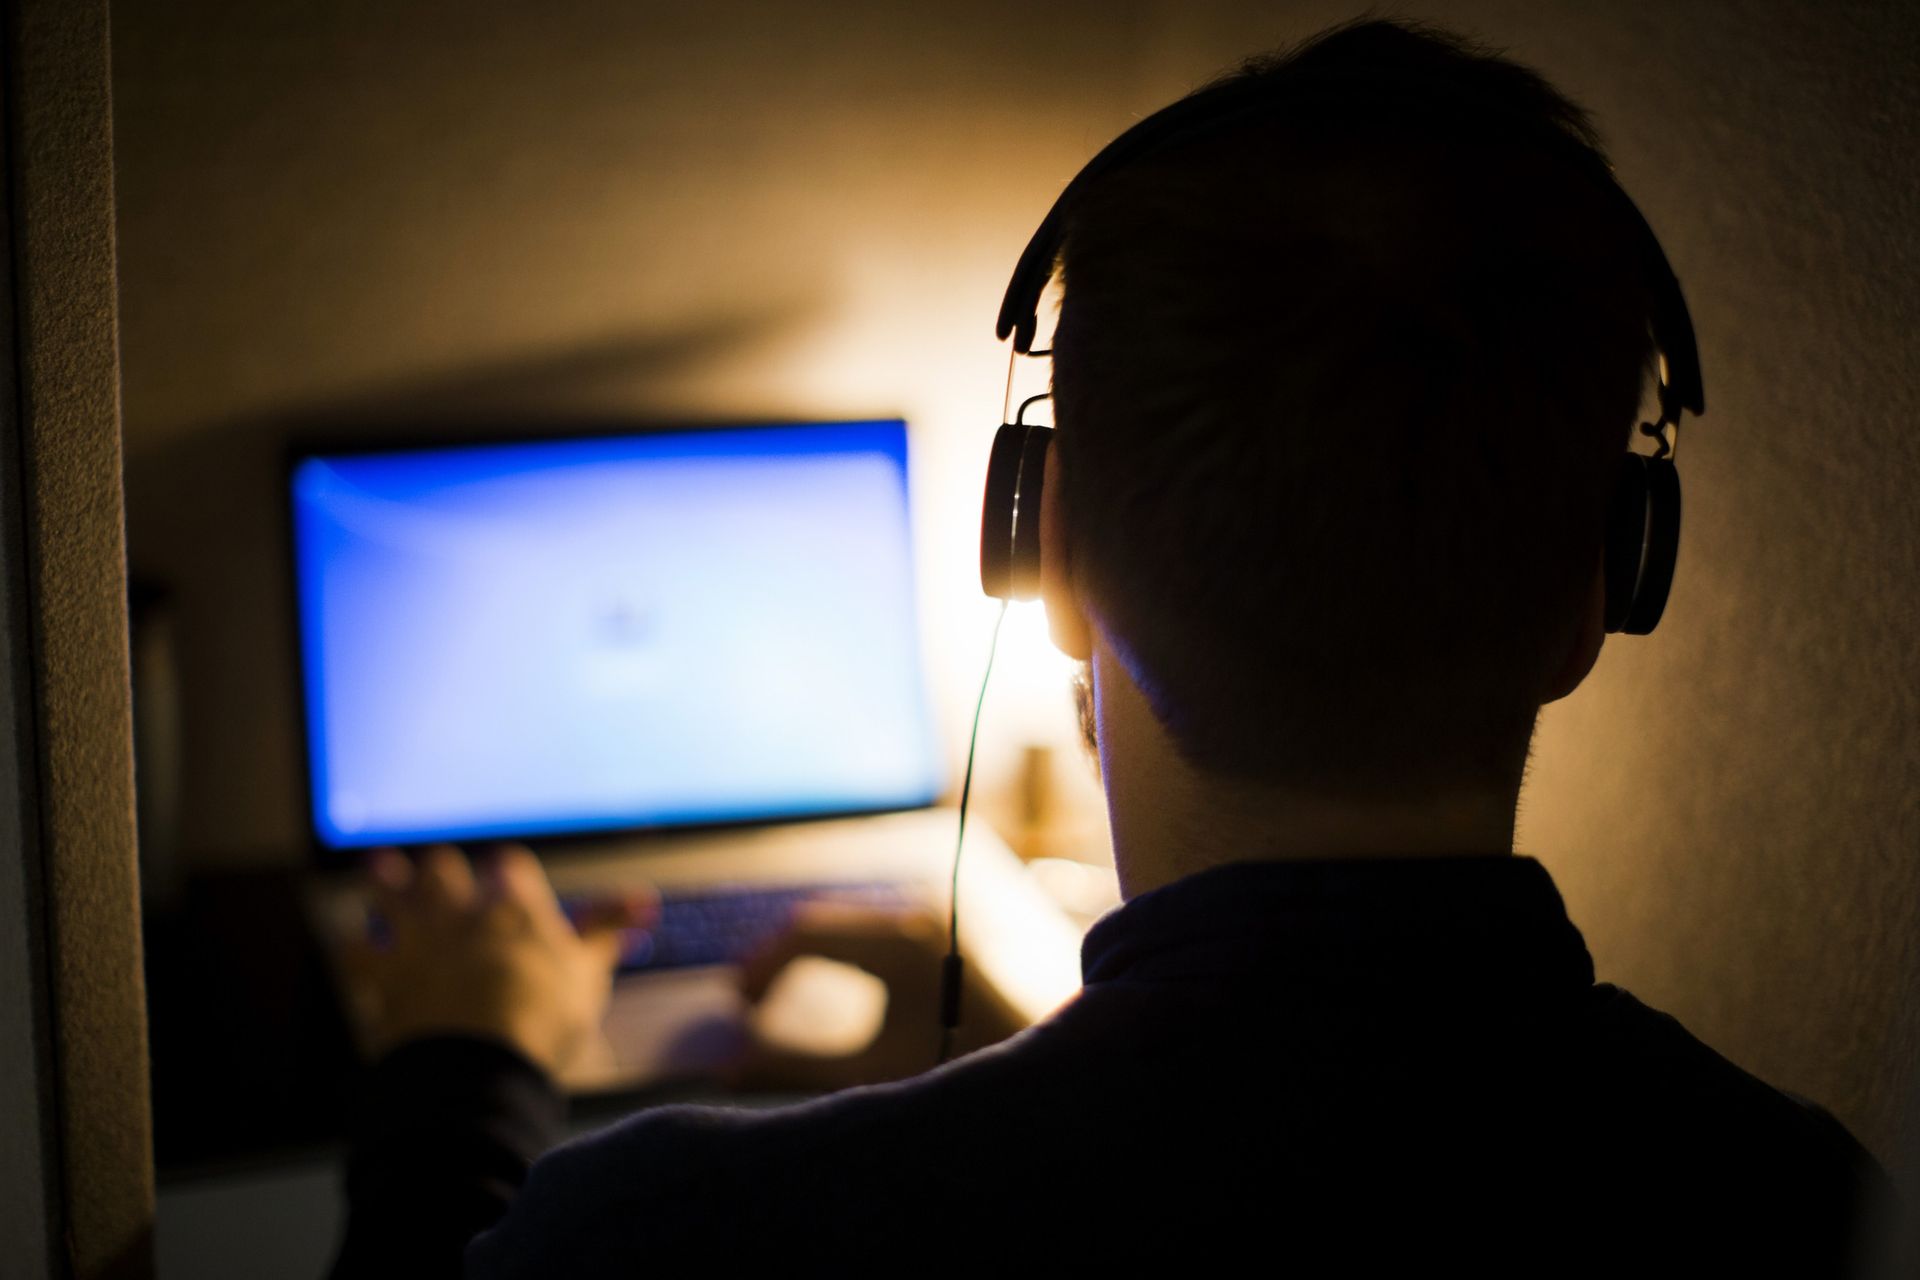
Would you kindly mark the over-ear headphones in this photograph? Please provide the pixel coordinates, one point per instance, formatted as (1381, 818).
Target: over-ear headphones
(1010, 528)
(1642, 537)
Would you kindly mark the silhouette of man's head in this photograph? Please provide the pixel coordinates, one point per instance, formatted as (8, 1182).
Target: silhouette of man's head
(1341, 388)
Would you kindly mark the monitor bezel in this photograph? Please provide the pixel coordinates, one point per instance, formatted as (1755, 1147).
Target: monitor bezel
(614, 838)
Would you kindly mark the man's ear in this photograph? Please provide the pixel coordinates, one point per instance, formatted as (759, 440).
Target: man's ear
(1584, 650)
(1066, 621)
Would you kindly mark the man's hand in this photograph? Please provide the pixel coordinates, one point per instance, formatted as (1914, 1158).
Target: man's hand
(904, 950)
(484, 949)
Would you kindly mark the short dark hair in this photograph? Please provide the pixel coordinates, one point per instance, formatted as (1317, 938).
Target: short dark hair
(1341, 390)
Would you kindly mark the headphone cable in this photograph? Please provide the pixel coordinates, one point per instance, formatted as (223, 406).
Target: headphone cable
(951, 966)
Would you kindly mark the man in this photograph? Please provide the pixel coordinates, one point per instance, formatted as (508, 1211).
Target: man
(1341, 397)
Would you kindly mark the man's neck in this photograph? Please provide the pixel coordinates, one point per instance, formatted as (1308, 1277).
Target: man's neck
(1170, 820)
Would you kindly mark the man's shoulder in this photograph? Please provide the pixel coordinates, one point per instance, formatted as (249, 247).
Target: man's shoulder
(854, 1164)
(1651, 1052)
(1705, 1114)
(650, 1183)
(669, 1149)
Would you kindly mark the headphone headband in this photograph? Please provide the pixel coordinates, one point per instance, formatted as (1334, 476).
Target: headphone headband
(1643, 524)
(1249, 97)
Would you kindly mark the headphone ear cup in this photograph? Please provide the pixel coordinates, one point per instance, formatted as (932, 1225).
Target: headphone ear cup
(1663, 546)
(1626, 543)
(1010, 514)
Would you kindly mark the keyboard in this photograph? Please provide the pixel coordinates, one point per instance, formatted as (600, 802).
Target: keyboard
(726, 924)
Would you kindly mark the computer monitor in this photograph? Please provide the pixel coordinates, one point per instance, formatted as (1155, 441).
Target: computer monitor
(616, 632)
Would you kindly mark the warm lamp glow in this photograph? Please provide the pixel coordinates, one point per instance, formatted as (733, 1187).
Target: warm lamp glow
(1032, 678)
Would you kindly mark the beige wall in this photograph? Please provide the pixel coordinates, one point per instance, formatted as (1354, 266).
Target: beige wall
(364, 212)
(63, 556)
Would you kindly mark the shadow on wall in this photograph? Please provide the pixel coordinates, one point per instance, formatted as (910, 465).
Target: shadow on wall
(207, 527)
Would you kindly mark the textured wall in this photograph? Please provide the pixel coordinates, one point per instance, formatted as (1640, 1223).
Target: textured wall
(60, 171)
(397, 209)
(1733, 808)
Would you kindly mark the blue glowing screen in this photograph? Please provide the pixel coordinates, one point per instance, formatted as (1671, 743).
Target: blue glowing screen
(587, 634)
